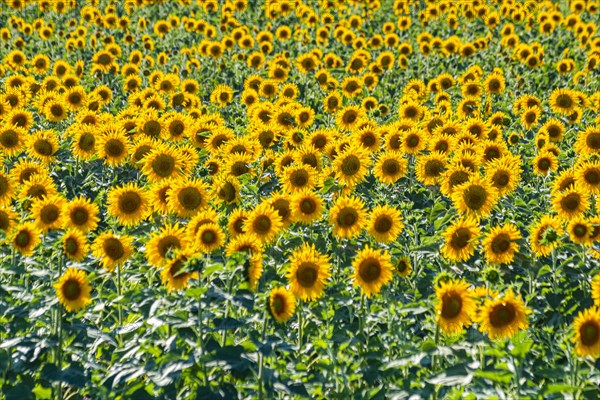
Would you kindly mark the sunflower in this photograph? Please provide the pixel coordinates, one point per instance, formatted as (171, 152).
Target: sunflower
(187, 197)
(545, 235)
(588, 141)
(348, 217)
(264, 222)
(504, 174)
(308, 272)
(403, 266)
(209, 237)
(587, 333)
(172, 274)
(47, 212)
(430, 168)
(163, 162)
(475, 198)
(168, 238)
(390, 166)
(25, 237)
(226, 189)
(158, 197)
(113, 145)
(12, 139)
(499, 244)
(7, 188)
(348, 117)
(460, 240)
(236, 222)
(73, 289)
(8, 219)
(455, 306)
(282, 304)
(580, 231)
(385, 224)
(372, 270)
(74, 245)
(562, 101)
(244, 243)
(503, 317)
(81, 214)
(587, 175)
(596, 289)
(413, 141)
(112, 250)
(351, 165)
(571, 202)
(297, 178)
(55, 110)
(128, 203)
(306, 207)
(83, 146)
(544, 162)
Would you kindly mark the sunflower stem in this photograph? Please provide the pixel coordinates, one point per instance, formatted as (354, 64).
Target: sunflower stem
(227, 306)
(261, 360)
(300, 328)
(436, 341)
(59, 332)
(119, 308)
(201, 338)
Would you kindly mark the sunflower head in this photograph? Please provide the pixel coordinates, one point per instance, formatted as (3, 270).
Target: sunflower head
(73, 289)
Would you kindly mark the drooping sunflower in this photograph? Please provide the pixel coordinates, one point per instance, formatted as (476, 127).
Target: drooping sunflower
(174, 275)
(308, 272)
(282, 304)
(74, 245)
(306, 207)
(499, 244)
(209, 238)
(351, 165)
(25, 237)
(244, 243)
(80, 213)
(390, 166)
(112, 250)
(475, 198)
(385, 223)
(348, 217)
(372, 270)
(571, 202)
(545, 235)
(187, 197)
(264, 222)
(587, 333)
(460, 240)
(73, 289)
(128, 203)
(503, 317)
(47, 212)
(455, 306)
(168, 238)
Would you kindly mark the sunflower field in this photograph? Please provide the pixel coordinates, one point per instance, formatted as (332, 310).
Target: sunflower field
(289, 199)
